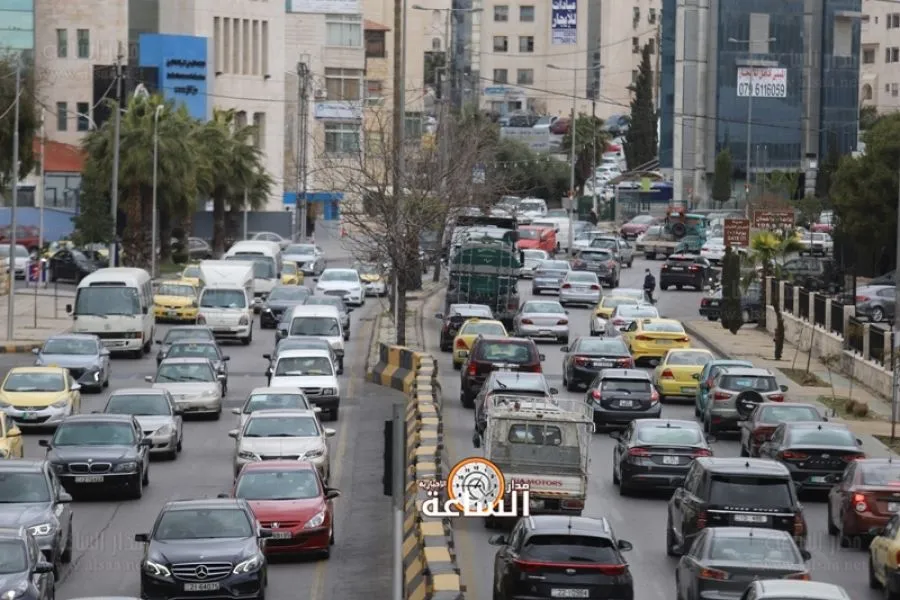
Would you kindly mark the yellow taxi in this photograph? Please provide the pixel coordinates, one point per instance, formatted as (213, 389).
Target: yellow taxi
(372, 280)
(608, 304)
(291, 273)
(467, 334)
(39, 396)
(884, 568)
(650, 339)
(678, 373)
(175, 301)
(11, 445)
(191, 274)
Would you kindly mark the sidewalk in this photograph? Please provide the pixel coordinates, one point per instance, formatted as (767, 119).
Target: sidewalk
(36, 317)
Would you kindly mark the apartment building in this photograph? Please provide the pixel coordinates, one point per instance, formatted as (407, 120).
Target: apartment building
(879, 81)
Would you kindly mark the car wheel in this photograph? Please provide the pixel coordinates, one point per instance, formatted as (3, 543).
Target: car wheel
(877, 314)
(333, 415)
(679, 287)
(615, 471)
(671, 545)
(457, 366)
(571, 386)
(712, 317)
(624, 488)
(873, 581)
(663, 287)
(832, 528)
(137, 488)
(66, 556)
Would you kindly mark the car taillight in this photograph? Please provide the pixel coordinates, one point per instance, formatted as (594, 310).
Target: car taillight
(618, 321)
(762, 433)
(201, 320)
(526, 566)
(527, 322)
(595, 287)
(664, 267)
(701, 519)
(684, 339)
(473, 369)
(693, 268)
(638, 452)
(460, 344)
(862, 298)
(625, 363)
(852, 457)
(701, 452)
(562, 322)
(799, 525)
(704, 249)
(654, 397)
(791, 455)
(643, 338)
(529, 566)
(704, 302)
(580, 360)
(596, 395)
(777, 398)
(566, 286)
(860, 503)
(667, 374)
(721, 396)
(798, 576)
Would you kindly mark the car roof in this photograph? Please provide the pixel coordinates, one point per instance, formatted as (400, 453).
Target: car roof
(800, 590)
(304, 352)
(789, 405)
(500, 338)
(742, 466)
(754, 371)
(314, 310)
(104, 417)
(188, 328)
(145, 391)
(211, 503)
(22, 465)
(747, 532)
(816, 425)
(186, 342)
(74, 336)
(185, 360)
(286, 465)
(482, 320)
(277, 390)
(512, 379)
(565, 525)
(58, 370)
(625, 374)
(458, 307)
(301, 343)
(725, 362)
(683, 350)
(280, 413)
(660, 320)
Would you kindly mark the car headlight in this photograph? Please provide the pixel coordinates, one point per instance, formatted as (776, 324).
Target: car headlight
(60, 403)
(210, 394)
(96, 374)
(244, 320)
(164, 430)
(42, 529)
(14, 593)
(267, 309)
(316, 453)
(316, 521)
(249, 566)
(59, 468)
(247, 455)
(155, 569)
(329, 391)
(125, 467)
(5, 404)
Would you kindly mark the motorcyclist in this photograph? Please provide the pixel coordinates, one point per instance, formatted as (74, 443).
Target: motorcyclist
(649, 285)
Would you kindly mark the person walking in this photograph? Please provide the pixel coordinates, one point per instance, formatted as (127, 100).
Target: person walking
(649, 286)
(592, 217)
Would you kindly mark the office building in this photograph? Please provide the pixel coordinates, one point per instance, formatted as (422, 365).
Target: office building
(879, 81)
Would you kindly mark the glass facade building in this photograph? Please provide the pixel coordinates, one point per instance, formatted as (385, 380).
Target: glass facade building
(17, 26)
(667, 83)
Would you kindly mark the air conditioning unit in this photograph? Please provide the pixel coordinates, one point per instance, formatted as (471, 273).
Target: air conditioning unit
(321, 94)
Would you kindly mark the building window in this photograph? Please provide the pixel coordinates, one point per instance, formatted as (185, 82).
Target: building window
(651, 16)
(652, 43)
(217, 42)
(892, 55)
(436, 44)
(375, 44)
(525, 76)
(84, 43)
(501, 43)
(867, 92)
(240, 119)
(635, 17)
(341, 138)
(759, 33)
(868, 56)
(413, 128)
(526, 44)
(343, 84)
(265, 47)
(501, 76)
(887, 88)
(374, 91)
(254, 37)
(501, 13)
(84, 116)
(344, 31)
(526, 14)
(62, 116)
(246, 46)
(62, 43)
(259, 129)
(894, 90)
(635, 45)
(893, 21)
(236, 46)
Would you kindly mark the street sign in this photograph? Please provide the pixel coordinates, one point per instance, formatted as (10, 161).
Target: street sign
(761, 82)
(737, 233)
(773, 219)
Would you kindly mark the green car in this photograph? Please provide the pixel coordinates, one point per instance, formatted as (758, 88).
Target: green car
(709, 372)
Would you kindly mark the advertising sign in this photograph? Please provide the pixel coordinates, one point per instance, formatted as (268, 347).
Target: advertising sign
(564, 22)
(737, 233)
(536, 139)
(183, 69)
(773, 219)
(330, 7)
(761, 82)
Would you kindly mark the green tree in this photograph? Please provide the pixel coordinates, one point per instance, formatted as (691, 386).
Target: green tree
(868, 116)
(28, 119)
(721, 189)
(732, 312)
(590, 141)
(827, 167)
(641, 142)
(520, 171)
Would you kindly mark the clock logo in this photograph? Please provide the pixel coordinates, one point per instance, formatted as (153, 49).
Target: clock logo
(476, 481)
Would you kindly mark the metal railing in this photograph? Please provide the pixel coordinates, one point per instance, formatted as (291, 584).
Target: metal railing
(854, 336)
(803, 294)
(788, 299)
(819, 305)
(837, 318)
(876, 345)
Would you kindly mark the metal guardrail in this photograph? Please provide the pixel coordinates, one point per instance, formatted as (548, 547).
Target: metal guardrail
(837, 318)
(820, 303)
(788, 305)
(803, 301)
(855, 335)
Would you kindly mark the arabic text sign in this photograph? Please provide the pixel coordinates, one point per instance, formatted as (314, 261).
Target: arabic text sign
(536, 139)
(564, 22)
(737, 233)
(761, 82)
(467, 507)
(773, 219)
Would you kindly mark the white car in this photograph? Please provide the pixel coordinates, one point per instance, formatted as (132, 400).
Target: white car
(195, 385)
(580, 287)
(583, 240)
(713, 249)
(345, 283)
(816, 243)
(533, 258)
(313, 372)
(21, 261)
(269, 398)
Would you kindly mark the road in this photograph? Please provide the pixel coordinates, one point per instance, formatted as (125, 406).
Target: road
(640, 520)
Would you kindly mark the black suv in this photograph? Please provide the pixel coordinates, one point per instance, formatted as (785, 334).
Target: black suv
(621, 396)
(183, 333)
(495, 353)
(281, 300)
(552, 556)
(733, 492)
(24, 572)
(685, 270)
(814, 273)
(204, 549)
(456, 315)
(751, 304)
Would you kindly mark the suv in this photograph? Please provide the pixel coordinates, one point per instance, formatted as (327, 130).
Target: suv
(621, 249)
(552, 556)
(532, 386)
(490, 353)
(813, 273)
(735, 392)
(620, 396)
(601, 261)
(733, 492)
(456, 315)
(751, 304)
(682, 270)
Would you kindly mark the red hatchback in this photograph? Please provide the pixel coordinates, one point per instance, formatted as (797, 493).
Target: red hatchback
(289, 498)
(867, 496)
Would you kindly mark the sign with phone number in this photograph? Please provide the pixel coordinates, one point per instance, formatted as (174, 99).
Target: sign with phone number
(762, 83)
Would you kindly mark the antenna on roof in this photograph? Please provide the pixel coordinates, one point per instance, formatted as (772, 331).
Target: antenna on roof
(747, 464)
(570, 524)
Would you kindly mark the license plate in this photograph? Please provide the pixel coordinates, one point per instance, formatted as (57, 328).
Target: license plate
(750, 518)
(171, 313)
(601, 363)
(29, 416)
(676, 268)
(546, 332)
(281, 535)
(568, 593)
(665, 342)
(222, 329)
(671, 460)
(688, 390)
(89, 479)
(893, 506)
(582, 289)
(818, 479)
(626, 403)
(462, 353)
(714, 303)
(201, 587)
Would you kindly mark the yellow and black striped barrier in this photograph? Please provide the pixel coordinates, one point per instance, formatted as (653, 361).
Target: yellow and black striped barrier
(395, 368)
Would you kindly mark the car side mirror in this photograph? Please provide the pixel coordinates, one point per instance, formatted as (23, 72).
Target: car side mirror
(222, 495)
(148, 378)
(859, 442)
(265, 533)
(104, 352)
(68, 309)
(476, 440)
(35, 351)
(178, 411)
(783, 388)
(233, 433)
(143, 538)
(554, 391)
(145, 310)
(330, 432)
(625, 545)
(76, 387)
(497, 540)
(43, 567)
(696, 376)
(267, 373)
(331, 493)
(317, 409)
(44, 444)
(876, 531)
(616, 435)
(159, 342)
(439, 316)
(564, 349)
(64, 498)
(226, 358)
(267, 356)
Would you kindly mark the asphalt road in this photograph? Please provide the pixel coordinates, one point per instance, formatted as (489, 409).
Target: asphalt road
(640, 520)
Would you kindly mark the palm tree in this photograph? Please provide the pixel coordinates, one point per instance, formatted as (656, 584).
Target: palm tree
(589, 136)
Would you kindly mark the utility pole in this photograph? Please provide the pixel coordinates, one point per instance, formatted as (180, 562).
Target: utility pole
(302, 149)
(114, 184)
(11, 263)
(398, 142)
(593, 157)
(41, 191)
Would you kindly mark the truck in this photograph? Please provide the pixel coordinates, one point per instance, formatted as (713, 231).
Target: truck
(485, 271)
(226, 299)
(680, 232)
(544, 444)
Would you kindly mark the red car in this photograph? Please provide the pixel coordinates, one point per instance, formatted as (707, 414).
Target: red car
(290, 498)
(867, 496)
(636, 226)
(26, 235)
(537, 238)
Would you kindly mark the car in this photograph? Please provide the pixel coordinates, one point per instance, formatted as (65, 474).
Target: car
(620, 396)
(191, 274)
(310, 257)
(583, 240)
(624, 315)
(729, 492)
(183, 333)
(884, 568)
(312, 371)
(866, 498)
(751, 304)
(11, 445)
(290, 499)
(684, 270)
(193, 383)
(269, 236)
(156, 413)
(779, 589)
(466, 335)
(100, 452)
(542, 319)
(889, 278)
(501, 386)
(490, 353)
(39, 397)
(766, 417)
(21, 262)
(303, 343)
(876, 303)
(636, 226)
(453, 319)
(273, 398)
(600, 261)
(82, 354)
(586, 356)
(205, 548)
(815, 273)
(373, 278)
(341, 306)
(291, 273)
(636, 293)
(604, 309)
(723, 559)
(175, 301)
(343, 283)
(554, 556)
(532, 258)
(734, 393)
(31, 498)
(622, 249)
(533, 237)
(816, 454)
(816, 242)
(283, 434)
(713, 250)
(580, 287)
(707, 377)
(678, 373)
(207, 350)
(655, 454)
(650, 339)
(69, 264)
(280, 301)
(25, 572)
(548, 276)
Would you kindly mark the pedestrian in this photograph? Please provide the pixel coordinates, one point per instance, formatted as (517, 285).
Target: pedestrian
(592, 217)
(649, 286)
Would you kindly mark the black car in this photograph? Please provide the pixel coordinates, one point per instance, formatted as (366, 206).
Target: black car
(31, 497)
(302, 343)
(24, 574)
(815, 273)
(685, 270)
(456, 315)
(587, 356)
(209, 548)
(519, 385)
(494, 353)
(69, 265)
(100, 452)
(183, 333)
(552, 556)
(733, 492)
(816, 454)
(202, 349)
(656, 454)
(620, 396)
(281, 300)
(751, 304)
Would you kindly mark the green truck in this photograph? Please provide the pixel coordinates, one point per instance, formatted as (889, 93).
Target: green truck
(486, 271)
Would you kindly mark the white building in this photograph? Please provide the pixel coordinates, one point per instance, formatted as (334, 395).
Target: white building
(879, 81)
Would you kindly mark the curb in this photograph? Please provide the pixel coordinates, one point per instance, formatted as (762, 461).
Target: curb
(20, 347)
(706, 341)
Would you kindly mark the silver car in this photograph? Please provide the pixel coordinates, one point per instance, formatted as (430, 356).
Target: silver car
(548, 276)
(273, 398)
(626, 314)
(533, 258)
(309, 257)
(623, 249)
(580, 287)
(736, 392)
(283, 435)
(158, 415)
(542, 319)
(875, 302)
(194, 384)
(82, 354)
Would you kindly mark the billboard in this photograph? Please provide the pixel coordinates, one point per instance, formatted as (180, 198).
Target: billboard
(182, 69)
(564, 22)
(330, 7)
(536, 139)
(761, 82)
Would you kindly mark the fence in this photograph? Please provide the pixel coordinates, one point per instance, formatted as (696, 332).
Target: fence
(803, 296)
(837, 317)
(788, 305)
(876, 345)
(855, 337)
(820, 310)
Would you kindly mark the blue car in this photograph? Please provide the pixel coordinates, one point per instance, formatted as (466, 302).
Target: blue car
(710, 370)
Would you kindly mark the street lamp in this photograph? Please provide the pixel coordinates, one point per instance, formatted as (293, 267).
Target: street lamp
(448, 32)
(155, 219)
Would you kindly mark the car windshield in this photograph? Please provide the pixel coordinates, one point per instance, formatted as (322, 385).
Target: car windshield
(107, 300)
(753, 550)
(184, 372)
(634, 311)
(543, 307)
(296, 366)
(23, 487)
(288, 268)
(581, 277)
(302, 344)
(613, 302)
(13, 558)
(175, 289)
(669, 436)
(326, 301)
(142, 405)
(193, 351)
(213, 298)
(80, 347)
(192, 272)
(601, 346)
(176, 334)
(534, 254)
(787, 414)
(35, 382)
(531, 206)
(368, 270)
(529, 234)
(688, 358)
(291, 293)
(554, 265)
(275, 401)
(471, 311)
(596, 255)
(663, 327)
(325, 326)
(198, 524)
(282, 427)
(540, 435)
(293, 484)
(300, 250)
(748, 491)
(824, 436)
(570, 549)
(628, 386)
(339, 276)
(482, 327)
(499, 352)
(881, 474)
(603, 243)
(756, 383)
(263, 266)
(94, 434)
(642, 219)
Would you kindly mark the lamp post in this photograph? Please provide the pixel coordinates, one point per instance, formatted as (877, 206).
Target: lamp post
(11, 262)
(154, 233)
(448, 39)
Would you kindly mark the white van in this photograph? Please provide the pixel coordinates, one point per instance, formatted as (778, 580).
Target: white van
(266, 257)
(226, 299)
(319, 321)
(116, 305)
